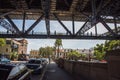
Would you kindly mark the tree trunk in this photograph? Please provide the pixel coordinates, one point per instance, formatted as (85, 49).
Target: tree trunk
(58, 52)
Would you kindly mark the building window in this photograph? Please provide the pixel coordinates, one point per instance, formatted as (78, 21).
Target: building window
(82, 50)
(22, 52)
(6, 49)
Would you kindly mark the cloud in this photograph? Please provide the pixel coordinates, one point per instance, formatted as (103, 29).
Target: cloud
(37, 43)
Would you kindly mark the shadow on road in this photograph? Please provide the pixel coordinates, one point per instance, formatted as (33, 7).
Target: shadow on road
(53, 72)
(35, 77)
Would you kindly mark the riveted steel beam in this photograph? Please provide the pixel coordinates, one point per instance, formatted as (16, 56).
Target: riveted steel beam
(46, 9)
(47, 22)
(73, 24)
(19, 4)
(34, 24)
(107, 27)
(13, 24)
(39, 36)
(84, 4)
(115, 23)
(7, 26)
(62, 24)
(80, 30)
(23, 27)
(6, 13)
(87, 25)
(109, 34)
(73, 5)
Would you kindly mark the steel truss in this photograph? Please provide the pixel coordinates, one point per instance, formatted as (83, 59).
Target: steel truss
(5, 24)
(94, 18)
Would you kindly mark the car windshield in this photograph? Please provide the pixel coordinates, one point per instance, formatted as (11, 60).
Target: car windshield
(14, 71)
(34, 62)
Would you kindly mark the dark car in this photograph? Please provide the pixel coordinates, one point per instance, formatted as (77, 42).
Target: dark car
(4, 60)
(22, 57)
(35, 65)
(14, 72)
(60, 62)
(44, 61)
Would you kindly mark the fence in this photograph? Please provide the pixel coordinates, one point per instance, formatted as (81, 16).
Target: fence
(96, 70)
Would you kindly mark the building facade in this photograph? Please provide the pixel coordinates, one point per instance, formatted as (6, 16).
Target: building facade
(34, 54)
(22, 49)
(13, 45)
(63, 53)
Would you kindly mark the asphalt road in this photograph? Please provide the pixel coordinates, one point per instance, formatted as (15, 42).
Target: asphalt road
(35, 77)
(53, 72)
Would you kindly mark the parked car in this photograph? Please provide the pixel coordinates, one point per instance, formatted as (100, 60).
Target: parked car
(60, 62)
(14, 72)
(22, 57)
(4, 60)
(44, 61)
(35, 65)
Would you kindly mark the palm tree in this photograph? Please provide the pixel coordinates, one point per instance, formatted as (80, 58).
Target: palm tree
(42, 52)
(58, 44)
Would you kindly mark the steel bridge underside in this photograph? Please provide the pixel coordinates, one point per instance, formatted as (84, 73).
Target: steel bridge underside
(91, 12)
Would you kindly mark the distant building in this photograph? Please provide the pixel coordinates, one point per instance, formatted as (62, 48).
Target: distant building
(60, 54)
(22, 49)
(85, 51)
(82, 51)
(34, 54)
(13, 45)
(63, 52)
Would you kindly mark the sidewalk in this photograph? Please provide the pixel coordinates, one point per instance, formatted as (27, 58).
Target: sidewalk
(55, 73)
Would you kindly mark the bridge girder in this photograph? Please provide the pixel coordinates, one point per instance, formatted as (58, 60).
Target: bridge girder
(91, 11)
(6, 25)
(45, 36)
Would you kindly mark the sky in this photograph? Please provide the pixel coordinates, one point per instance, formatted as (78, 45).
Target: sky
(35, 44)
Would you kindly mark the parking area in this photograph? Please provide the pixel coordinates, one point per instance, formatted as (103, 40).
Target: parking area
(23, 70)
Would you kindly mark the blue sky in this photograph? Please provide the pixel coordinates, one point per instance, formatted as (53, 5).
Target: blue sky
(73, 44)
(55, 26)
